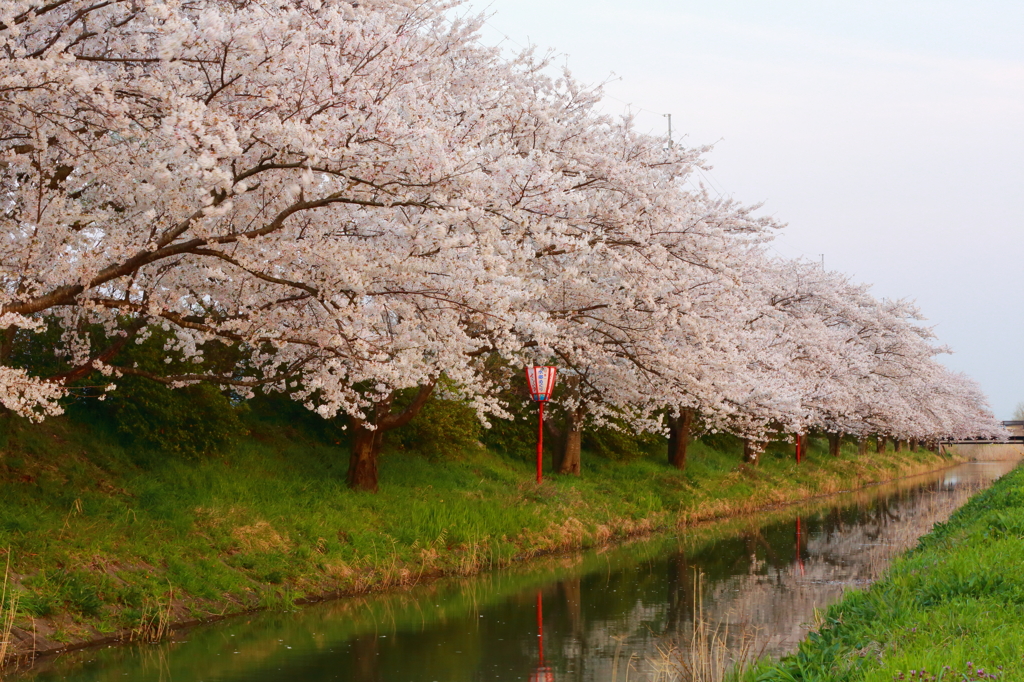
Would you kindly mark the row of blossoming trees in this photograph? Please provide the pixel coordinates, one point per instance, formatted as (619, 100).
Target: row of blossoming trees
(360, 198)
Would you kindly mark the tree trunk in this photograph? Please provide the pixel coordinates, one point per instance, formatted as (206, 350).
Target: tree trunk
(7, 345)
(570, 463)
(369, 437)
(898, 445)
(880, 444)
(913, 445)
(679, 429)
(556, 435)
(862, 446)
(834, 441)
(362, 463)
(750, 451)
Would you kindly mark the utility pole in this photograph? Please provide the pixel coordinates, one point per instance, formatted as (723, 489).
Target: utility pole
(823, 262)
(669, 117)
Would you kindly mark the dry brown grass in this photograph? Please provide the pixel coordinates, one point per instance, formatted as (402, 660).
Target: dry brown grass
(260, 537)
(156, 621)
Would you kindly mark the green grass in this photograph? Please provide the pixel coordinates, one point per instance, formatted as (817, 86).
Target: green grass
(951, 606)
(103, 538)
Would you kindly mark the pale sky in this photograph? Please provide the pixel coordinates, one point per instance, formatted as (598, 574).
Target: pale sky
(888, 135)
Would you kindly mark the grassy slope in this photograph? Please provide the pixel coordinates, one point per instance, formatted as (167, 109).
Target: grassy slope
(100, 544)
(951, 606)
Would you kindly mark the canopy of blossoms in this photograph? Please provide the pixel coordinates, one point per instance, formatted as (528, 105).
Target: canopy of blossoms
(363, 198)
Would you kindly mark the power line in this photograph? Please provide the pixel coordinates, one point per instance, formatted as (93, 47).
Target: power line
(713, 183)
(716, 186)
(504, 35)
(709, 179)
(630, 104)
(795, 248)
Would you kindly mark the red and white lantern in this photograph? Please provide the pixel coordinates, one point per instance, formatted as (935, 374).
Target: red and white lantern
(541, 380)
(542, 674)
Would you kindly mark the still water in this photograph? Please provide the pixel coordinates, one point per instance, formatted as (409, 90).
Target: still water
(624, 613)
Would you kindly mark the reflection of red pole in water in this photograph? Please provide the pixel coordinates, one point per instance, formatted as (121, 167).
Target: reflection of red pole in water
(542, 673)
(799, 557)
(540, 628)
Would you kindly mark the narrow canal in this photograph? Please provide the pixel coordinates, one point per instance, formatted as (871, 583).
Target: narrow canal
(615, 614)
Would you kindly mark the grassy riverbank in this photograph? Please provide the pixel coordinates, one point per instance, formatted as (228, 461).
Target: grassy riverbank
(104, 540)
(951, 609)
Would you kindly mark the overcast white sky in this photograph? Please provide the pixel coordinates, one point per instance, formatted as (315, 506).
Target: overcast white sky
(887, 134)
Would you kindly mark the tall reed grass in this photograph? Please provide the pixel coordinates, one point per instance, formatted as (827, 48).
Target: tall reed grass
(8, 611)
(715, 652)
(155, 622)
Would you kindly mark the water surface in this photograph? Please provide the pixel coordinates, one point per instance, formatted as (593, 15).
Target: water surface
(600, 615)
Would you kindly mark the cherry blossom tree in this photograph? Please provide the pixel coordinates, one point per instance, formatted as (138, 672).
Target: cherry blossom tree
(362, 199)
(291, 180)
(359, 195)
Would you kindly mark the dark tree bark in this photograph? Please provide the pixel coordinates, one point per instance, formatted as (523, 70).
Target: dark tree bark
(880, 444)
(750, 452)
(6, 348)
(7, 344)
(567, 458)
(554, 436)
(898, 445)
(913, 445)
(834, 441)
(862, 446)
(570, 463)
(362, 463)
(679, 429)
(369, 436)
(105, 356)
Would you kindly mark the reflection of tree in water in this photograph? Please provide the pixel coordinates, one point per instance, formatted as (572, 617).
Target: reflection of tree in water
(680, 599)
(366, 657)
(623, 603)
(753, 580)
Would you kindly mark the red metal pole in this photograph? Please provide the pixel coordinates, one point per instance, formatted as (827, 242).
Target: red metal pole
(540, 440)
